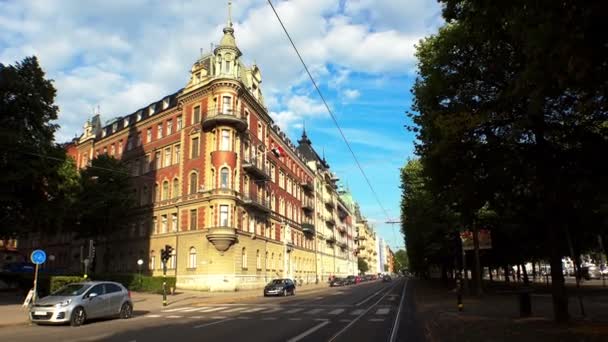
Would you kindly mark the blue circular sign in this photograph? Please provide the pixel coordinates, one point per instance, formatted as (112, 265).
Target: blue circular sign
(38, 257)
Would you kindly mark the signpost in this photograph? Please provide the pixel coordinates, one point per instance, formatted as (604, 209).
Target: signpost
(38, 257)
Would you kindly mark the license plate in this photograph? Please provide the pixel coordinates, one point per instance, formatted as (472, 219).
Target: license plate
(40, 313)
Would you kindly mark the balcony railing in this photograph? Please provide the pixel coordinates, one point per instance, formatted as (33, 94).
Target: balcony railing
(256, 168)
(307, 206)
(307, 186)
(308, 228)
(330, 220)
(227, 116)
(256, 202)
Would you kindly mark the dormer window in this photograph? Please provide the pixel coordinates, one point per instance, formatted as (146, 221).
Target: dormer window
(151, 110)
(126, 122)
(115, 127)
(165, 103)
(103, 133)
(198, 77)
(138, 115)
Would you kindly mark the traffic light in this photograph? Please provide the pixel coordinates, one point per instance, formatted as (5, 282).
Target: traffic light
(166, 253)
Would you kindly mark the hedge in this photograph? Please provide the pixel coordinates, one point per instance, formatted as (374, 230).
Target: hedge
(134, 282)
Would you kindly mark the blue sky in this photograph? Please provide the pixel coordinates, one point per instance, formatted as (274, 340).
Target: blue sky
(122, 55)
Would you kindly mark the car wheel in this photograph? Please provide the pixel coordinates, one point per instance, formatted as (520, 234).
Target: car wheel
(78, 317)
(126, 311)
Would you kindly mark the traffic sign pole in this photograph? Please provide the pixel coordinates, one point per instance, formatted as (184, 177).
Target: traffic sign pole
(35, 295)
(37, 257)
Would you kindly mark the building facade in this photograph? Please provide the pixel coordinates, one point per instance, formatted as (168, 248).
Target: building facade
(366, 242)
(219, 182)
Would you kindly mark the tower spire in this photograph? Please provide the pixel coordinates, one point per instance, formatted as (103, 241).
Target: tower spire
(229, 14)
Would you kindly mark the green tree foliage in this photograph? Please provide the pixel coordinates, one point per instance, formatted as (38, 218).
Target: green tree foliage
(511, 112)
(401, 259)
(362, 265)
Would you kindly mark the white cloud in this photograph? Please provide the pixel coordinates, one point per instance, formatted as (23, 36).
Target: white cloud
(351, 94)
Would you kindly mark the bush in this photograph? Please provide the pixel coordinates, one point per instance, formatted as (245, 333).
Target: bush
(57, 282)
(133, 282)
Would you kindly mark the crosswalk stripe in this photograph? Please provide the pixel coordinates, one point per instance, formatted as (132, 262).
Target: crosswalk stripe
(314, 311)
(294, 310)
(272, 310)
(153, 316)
(253, 310)
(213, 309)
(178, 309)
(336, 311)
(383, 311)
(174, 316)
(357, 312)
(195, 309)
(235, 310)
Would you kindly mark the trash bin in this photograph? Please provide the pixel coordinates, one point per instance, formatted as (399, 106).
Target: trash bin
(525, 303)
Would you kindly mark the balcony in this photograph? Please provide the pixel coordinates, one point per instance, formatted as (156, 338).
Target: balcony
(308, 228)
(361, 238)
(342, 229)
(308, 207)
(307, 186)
(256, 168)
(222, 237)
(342, 245)
(256, 202)
(329, 203)
(220, 193)
(330, 239)
(229, 117)
(330, 221)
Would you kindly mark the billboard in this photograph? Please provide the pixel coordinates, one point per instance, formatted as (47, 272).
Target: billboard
(485, 239)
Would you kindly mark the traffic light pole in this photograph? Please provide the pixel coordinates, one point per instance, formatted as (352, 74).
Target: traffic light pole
(164, 282)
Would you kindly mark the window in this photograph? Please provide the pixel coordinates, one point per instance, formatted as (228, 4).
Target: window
(226, 105)
(147, 164)
(192, 258)
(151, 110)
(157, 159)
(154, 223)
(165, 194)
(223, 215)
(193, 182)
(156, 193)
(227, 66)
(138, 141)
(193, 219)
(244, 258)
(258, 260)
(224, 177)
(225, 144)
(120, 147)
(169, 127)
(173, 259)
(259, 130)
(152, 260)
(194, 148)
(175, 192)
(196, 115)
(112, 150)
(174, 222)
(163, 224)
(159, 131)
(176, 154)
(272, 173)
(266, 261)
(138, 115)
(179, 123)
(144, 196)
(149, 135)
(129, 143)
(167, 160)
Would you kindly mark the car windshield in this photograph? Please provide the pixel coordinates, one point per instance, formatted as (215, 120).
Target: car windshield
(71, 290)
(277, 282)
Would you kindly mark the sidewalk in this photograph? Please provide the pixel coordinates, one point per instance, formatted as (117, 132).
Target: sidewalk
(495, 317)
(12, 313)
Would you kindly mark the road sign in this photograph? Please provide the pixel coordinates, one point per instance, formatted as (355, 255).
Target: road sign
(38, 257)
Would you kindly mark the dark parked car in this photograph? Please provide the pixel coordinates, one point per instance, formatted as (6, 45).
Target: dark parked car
(350, 280)
(280, 287)
(337, 282)
(387, 279)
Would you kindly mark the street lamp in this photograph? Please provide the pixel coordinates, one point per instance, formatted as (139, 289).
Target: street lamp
(139, 263)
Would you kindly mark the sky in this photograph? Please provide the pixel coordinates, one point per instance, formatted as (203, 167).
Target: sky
(122, 55)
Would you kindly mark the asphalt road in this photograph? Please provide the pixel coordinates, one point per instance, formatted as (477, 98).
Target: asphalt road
(370, 311)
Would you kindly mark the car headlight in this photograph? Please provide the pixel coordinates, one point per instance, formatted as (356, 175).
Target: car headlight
(63, 304)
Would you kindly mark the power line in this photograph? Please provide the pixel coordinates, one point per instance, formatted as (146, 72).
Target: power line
(329, 111)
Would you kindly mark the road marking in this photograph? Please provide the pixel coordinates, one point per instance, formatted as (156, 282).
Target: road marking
(336, 311)
(195, 309)
(213, 309)
(295, 319)
(212, 323)
(320, 319)
(234, 310)
(253, 310)
(357, 312)
(314, 311)
(383, 311)
(370, 297)
(273, 310)
(333, 338)
(196, 317)
(376, 319)
(269, 318)
(345, 320)
(243, 317)
(174, 316)
(294, 310)
(153, 316)
(177, 309)
(308, 332)
(218, 317)
(396, 324)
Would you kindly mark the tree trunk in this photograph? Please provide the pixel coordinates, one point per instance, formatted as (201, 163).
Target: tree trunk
(518, 274)
(490, 274)
(476, 260)
(525, 273)
(507, 275)
(533, 270)
(558, 288)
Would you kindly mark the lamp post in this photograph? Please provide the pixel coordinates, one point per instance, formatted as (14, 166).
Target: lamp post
(139, 263)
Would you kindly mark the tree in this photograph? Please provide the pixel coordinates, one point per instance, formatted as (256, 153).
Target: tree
(30, 161)
(401, 260)
(362, 265)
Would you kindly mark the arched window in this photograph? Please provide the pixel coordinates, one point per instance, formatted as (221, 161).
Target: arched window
(280, 265)
(165, 194)
(244, 258)
(175, 187)
(192, 258)
(224, 177)
(272, 264)
(156, 193)
(193, 182)
(258, 260)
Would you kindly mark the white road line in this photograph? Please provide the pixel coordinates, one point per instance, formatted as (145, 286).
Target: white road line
(376, 319)
(357, 312)
(153, 316)
(273, 310)
(398, 315)
(213, 309)
(314, 311)
(234, 310)
(174, 316)
(294, 310)
(196, 317)
(253, 310)
(243, 317)
(195, 309)
(178, 309)
(383, 311)
(218, 317)
(308, 332)
(269, 319)
(336, 311)
(212, 323)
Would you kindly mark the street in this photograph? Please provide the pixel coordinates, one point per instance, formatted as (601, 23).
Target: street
(363, 312)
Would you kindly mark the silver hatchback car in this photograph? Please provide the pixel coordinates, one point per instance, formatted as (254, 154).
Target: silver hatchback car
(77, 302)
